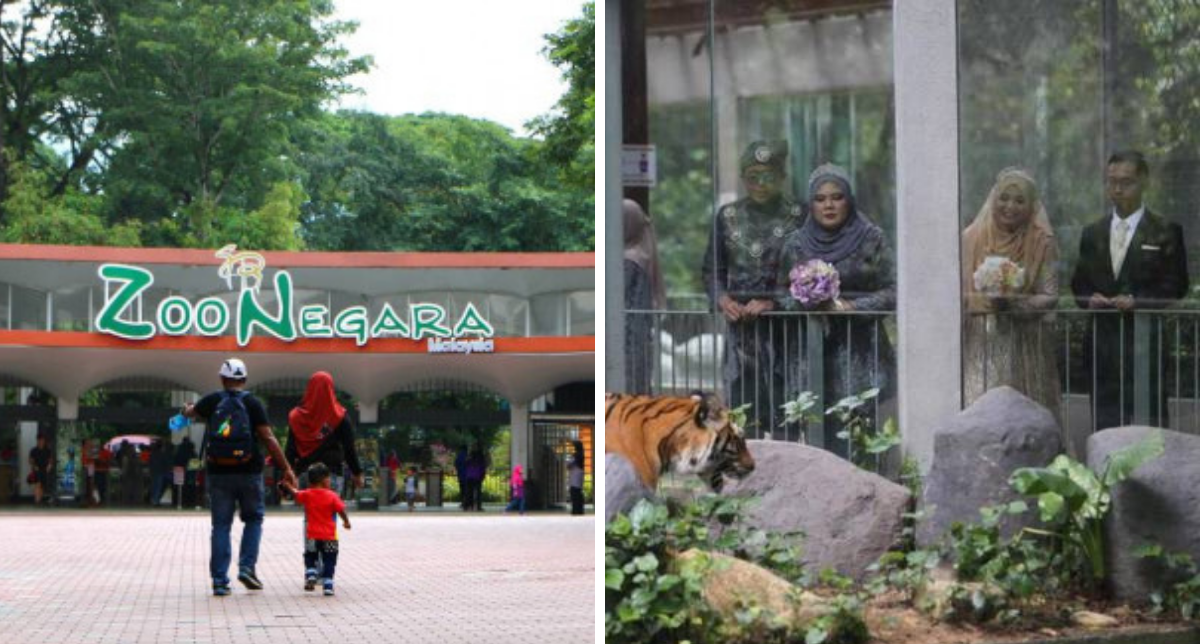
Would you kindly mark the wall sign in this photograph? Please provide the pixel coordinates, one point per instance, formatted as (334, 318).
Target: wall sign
(211, 316)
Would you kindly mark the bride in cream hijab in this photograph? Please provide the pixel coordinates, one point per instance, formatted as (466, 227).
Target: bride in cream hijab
(1008, 339)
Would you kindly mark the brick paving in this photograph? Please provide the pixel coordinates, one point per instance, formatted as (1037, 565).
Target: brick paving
(110, 577)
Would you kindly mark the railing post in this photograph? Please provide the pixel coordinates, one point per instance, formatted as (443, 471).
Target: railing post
(1141, 368)
(814, 335)
(929, 311)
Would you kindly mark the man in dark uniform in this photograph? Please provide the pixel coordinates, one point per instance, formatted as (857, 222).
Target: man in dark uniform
(741, 269)
(1129, 259)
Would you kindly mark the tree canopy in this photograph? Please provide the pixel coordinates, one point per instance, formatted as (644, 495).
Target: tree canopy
(196, 124)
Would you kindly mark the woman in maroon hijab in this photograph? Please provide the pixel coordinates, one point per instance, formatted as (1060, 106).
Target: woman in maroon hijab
(320, 431)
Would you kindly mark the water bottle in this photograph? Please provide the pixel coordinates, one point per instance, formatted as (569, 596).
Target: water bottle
(179, 422)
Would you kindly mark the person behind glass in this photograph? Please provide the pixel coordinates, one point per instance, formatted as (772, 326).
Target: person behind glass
(643, 292)
(575, 467)
(88, 453)
(1129, 259)
(237, 486)
(516, 488)
(183, 458)
(857, 353)
(475, 471)
(1005, 338)
(741, 276)
(132, 489)
(410, 488)
(460, 470)
(160, 470)
(40, 462)
(393, 467)
(104, 459)
(320, 430)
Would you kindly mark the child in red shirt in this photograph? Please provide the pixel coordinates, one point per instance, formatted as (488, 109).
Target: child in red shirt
(321, 507)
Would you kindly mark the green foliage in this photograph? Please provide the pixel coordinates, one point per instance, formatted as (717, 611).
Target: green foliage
(570, 130)
(866, 443)
(434, 182)
(1074, 501)
(646, 598)
(34, 216)
(652, 597)
(1182, 596)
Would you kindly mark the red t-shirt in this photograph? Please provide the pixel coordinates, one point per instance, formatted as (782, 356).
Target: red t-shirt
(320, 508)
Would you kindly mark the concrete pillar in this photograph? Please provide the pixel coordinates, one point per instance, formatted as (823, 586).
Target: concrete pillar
(929, 304)
(518, 415)
(68, 408)
(612, 245)
(368, 411)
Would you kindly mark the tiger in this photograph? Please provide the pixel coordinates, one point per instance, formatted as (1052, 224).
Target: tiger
(681, 434)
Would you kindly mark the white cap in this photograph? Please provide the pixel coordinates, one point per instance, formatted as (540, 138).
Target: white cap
(233, 369)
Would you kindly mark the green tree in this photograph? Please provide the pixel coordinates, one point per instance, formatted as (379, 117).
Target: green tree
(203, 96)
(433, 182)
(34, 216)
(570, 129)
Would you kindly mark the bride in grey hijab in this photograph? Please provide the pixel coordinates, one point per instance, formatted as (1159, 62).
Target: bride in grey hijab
(856, 352)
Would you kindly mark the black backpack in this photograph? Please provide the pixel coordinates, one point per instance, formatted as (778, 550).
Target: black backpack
(229, 438)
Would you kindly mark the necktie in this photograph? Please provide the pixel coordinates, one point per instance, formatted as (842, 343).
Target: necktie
(1117, 249)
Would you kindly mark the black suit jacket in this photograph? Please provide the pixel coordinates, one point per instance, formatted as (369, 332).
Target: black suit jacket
(1155, 268)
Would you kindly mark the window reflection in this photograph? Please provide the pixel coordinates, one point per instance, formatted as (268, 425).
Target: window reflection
(1094, 99)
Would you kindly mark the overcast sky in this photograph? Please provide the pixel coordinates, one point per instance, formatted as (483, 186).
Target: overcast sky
(481, 58)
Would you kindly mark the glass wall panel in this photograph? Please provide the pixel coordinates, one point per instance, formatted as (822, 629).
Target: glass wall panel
(71, 309)
(743, 103)
(583, 313)
(1079, 156)
(549, 314)
(28, 309)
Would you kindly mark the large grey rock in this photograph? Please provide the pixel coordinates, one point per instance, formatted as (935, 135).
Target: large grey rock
(974, 455)
(850, 517)
(1158, 504)
(622, 486)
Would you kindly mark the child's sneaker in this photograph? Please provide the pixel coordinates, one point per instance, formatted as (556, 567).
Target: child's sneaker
(221, 590)
(310, 580)
(328, 587)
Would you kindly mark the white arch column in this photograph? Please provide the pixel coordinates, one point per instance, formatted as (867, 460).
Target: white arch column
(518, 420)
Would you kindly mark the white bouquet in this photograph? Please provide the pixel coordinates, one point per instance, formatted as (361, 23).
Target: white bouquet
(999, 276)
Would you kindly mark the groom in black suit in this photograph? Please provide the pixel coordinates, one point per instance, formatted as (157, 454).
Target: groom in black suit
(1129, 259)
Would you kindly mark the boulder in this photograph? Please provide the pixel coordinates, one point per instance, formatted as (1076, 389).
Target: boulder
(622, 486)
(1158, 504)
(849, 516)
(974, 455)
(731, 585)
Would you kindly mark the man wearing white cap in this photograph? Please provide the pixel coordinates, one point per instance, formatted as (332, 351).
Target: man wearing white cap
(236, 424)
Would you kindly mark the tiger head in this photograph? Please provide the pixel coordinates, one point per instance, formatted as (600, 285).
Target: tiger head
(713, 447)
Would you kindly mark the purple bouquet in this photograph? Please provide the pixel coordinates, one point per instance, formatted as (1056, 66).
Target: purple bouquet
(814, 282)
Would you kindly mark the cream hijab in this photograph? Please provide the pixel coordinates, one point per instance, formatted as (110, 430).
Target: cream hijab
(1030, 245)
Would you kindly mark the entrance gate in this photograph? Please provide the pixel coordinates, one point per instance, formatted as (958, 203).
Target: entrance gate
(552, 436)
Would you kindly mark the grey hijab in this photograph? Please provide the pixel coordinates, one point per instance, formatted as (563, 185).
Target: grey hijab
(833, 246)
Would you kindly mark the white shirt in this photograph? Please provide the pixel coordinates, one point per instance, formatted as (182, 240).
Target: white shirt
(1132, 221)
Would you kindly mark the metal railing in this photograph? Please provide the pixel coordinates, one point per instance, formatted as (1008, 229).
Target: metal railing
(1144, 367)
(766, 363)
(1138, 368)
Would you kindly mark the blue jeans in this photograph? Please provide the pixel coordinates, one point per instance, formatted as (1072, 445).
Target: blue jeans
(518, 503)
(224, 491)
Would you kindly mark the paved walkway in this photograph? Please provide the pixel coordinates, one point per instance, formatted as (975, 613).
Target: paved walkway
(109, 577)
